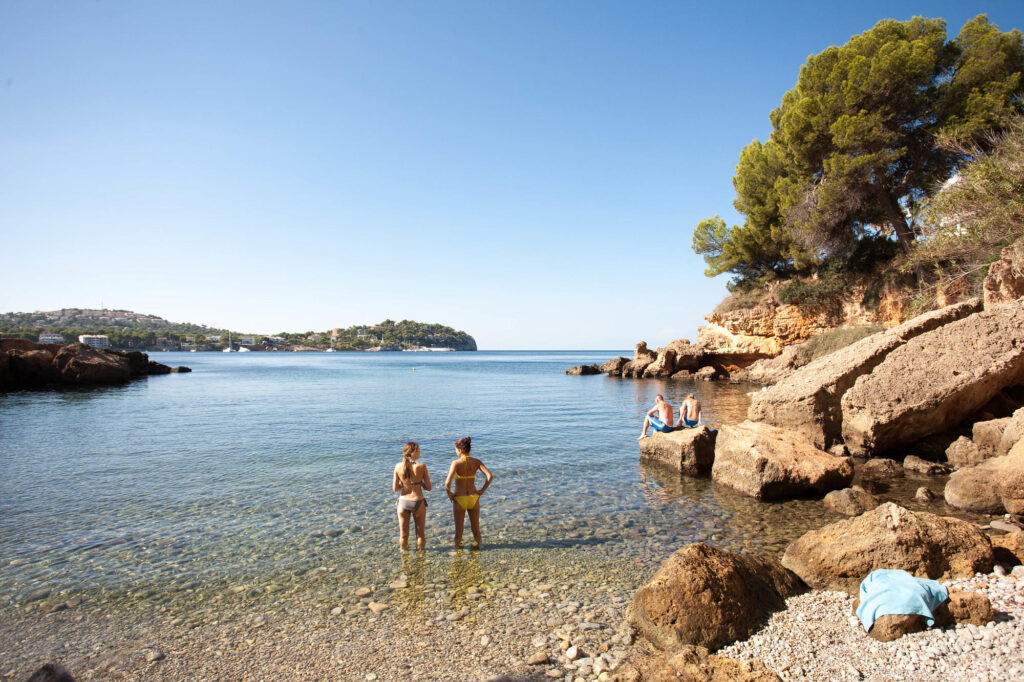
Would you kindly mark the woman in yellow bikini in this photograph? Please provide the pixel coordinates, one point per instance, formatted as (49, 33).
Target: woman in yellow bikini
(465, 497)
(410, 480)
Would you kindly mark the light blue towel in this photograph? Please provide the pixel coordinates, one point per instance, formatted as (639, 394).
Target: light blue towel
(887, 592)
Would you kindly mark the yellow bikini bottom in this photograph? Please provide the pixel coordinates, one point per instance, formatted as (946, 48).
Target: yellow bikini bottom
(467, 502)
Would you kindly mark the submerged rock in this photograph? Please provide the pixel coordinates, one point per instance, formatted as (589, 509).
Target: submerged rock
(708, 597)
(766, 462)
(882, 468)
(850, 501)
(922, 466)
(691, 452)
(840, 555)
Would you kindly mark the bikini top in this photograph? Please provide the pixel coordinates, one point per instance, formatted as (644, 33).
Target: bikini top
(472, 475)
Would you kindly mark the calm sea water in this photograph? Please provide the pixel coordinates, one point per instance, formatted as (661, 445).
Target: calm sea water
(262, 463)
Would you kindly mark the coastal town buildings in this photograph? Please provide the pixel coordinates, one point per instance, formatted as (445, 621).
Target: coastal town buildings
(50, 337)
(95, 340)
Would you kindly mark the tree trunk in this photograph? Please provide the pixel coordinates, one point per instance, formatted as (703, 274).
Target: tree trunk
(896, 218)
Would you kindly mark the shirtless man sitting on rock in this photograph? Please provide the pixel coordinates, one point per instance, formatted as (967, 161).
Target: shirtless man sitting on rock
(664, 410)
(689, 412)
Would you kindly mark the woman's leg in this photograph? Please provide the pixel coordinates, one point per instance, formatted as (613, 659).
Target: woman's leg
(403, 529)
(460, 520)
(421, 526)
(474, 522)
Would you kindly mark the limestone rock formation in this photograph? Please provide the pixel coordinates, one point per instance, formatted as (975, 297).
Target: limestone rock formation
(765, 462)
(840, 555)
(976, 488)
(808, 400)
(772, 370)
(935, 380)
(1008, 548)
(614, 366)
(963, 453)
(688, 451)
(583, 370)
(708, 597)
(664, 364)
(924, 495)
(850, 501)
(1011, 483)
(986, 435)
(1013, 433)
(1005, 280)
(642, 357)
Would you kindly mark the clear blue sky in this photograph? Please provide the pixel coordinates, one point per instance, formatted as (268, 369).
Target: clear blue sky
(530, 172)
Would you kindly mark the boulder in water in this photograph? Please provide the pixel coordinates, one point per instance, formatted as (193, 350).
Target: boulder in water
(767, 462)
(691, 452)
(850, 501)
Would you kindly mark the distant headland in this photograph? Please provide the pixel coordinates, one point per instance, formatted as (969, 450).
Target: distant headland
(124, 329)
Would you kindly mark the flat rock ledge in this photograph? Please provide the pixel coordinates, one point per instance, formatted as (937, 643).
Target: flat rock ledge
(808, 400)
(691, 452)
(840, 555)
(768, 462)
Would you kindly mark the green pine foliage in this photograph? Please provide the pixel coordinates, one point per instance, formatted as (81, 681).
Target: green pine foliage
(855, 148)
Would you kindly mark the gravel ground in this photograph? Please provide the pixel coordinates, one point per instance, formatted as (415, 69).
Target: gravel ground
(818, 638)
(529, 630)
(524, 630)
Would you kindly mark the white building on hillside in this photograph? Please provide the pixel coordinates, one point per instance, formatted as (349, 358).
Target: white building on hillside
(95, 340)
(50, 337)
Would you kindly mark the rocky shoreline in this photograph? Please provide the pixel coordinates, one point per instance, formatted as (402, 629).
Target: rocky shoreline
(27, 365)
(943, 391)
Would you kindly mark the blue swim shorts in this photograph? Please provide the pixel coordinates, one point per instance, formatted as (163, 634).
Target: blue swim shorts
(659, 425)
(690, 424)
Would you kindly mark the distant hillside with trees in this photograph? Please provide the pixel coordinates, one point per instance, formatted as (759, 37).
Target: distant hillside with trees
(128, 329)
(893, 155)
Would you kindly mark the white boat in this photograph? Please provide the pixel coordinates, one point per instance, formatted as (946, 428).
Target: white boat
(330, 350)
(229, 349)
(243, 349)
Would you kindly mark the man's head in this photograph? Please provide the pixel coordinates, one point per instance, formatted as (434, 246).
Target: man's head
(659, 398)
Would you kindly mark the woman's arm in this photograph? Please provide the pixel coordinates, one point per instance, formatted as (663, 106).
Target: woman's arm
(426, 477)
(489, 475)
(396, 483)
(448, 481)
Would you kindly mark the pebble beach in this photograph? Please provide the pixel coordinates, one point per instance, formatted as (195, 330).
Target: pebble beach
(817, 637)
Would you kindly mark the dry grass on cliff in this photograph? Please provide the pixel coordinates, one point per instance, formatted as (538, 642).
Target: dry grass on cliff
(739, 300)
(829, 342)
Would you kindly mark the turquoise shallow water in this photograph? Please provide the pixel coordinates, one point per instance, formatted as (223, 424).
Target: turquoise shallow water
(264, 463)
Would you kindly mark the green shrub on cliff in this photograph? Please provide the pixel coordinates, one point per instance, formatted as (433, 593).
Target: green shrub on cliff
(978, 213)
(831, 341)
